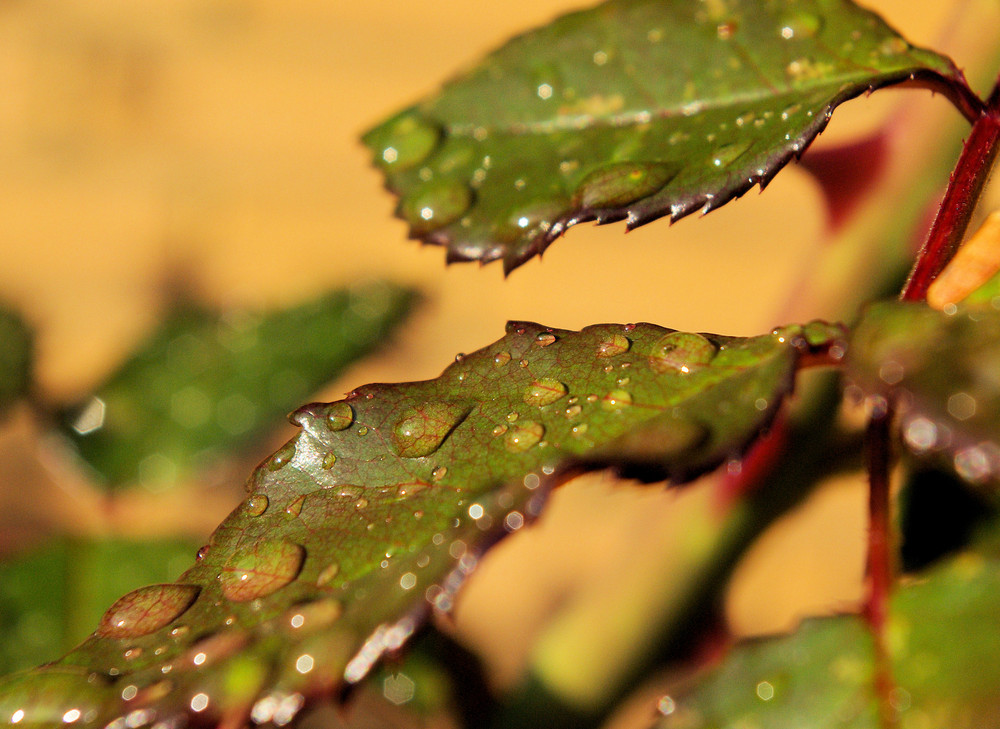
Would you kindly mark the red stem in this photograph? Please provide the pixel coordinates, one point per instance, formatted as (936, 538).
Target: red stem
(964, 188)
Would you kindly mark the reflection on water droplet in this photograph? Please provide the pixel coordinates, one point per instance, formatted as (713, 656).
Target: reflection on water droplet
(544, 392)
(572, 411)
(260, 571)
(500, 429)
(421, 430)
(616, 400)
(282, 457)
(728, 153)
(295, 508)
(800, 25)
(523, 435)
(314, 615)
(682, 352)
(256, 504)
(328, 574)
(146, 610)
(438, 473)
(435, 205)
(613, 346)
(407, 141)
(339, 415)
(501, 358)
(622, 183)
(329, 460)
(544, 339)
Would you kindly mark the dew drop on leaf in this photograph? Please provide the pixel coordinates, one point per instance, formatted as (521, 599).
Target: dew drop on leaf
(407, 142)
(421, 430)
(146, 610)
(682, 352)
(544, 339)
(282, 457)
(339, 415)
(329, 460)
(438, 473)
(801, 25)
(544, 392)
(328, 574)
(295, 507)
(435, 205)
(622, 183)
(314, 615)
(613, 346)
(260, 571)
(501, 358)
(616, 400)
(257, 504)
(523, 435)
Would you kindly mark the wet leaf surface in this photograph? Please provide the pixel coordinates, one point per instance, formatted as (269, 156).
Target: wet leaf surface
(376, 511)
(206, 382)
(51, 597)
(944, 371)
(15, 357)
(824, 671)
(632, 110)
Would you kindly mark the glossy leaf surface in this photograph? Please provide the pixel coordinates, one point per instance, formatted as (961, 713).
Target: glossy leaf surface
(205, 382)
(825, 670)
(15, 357)
(943, 371)
(381, 505)
(632, 110)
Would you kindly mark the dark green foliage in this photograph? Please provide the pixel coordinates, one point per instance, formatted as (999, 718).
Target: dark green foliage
(206, 382)
(15, 357)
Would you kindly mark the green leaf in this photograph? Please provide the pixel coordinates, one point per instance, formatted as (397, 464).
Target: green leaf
(205, 382)
(52, 596)
(384, 501)
(942, 370)
(632, 110)
(822, 676)
(15, 357)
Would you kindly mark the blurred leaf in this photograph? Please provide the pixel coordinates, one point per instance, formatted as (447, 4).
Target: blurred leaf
(206, 382)
(822, 675)
(944, 371)
(15, 357)
(51, 597)
(382, 504)
(632, 110)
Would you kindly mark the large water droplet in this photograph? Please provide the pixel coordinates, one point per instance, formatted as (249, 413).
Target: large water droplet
(282, 457)
(258, 572)
(339, 415)
(295, 507)
(622, 183)
(422, 430)
(523, 435)
(435, 205)
(257, 504)
(146, 610)
(616, 400)
(544, 392)
(407, 141)
(682, 352)
(613, 346)
(501, 358)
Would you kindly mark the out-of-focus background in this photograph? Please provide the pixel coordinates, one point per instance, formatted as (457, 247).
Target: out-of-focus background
(215, 142)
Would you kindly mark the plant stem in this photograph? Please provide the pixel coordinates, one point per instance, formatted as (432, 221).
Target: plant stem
(964, 188)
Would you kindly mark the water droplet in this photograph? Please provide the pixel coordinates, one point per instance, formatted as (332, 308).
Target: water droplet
(328, 574)
(622, 183)
(800, 25)
(256, 504)
(261, 570)
(544, 392)
(501, 358)
(726, 154)
(314, 615)
(512, 416)
(339, 415)
(421, 430)
(893, 46)
(613, 346)
(572, 411)
(616, 400)
(500, 429)
(146, 610)
(522, 363)
(435, 205)
(580, 430)
(523, 436)
(681, 352)
(329, 460)
(438, 473)
(544, 339)
(282, 457)
(363, 430)
(361, 503)
(295, 508)
(407, 141)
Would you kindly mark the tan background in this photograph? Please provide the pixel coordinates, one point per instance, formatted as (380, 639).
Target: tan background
(216, 139)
